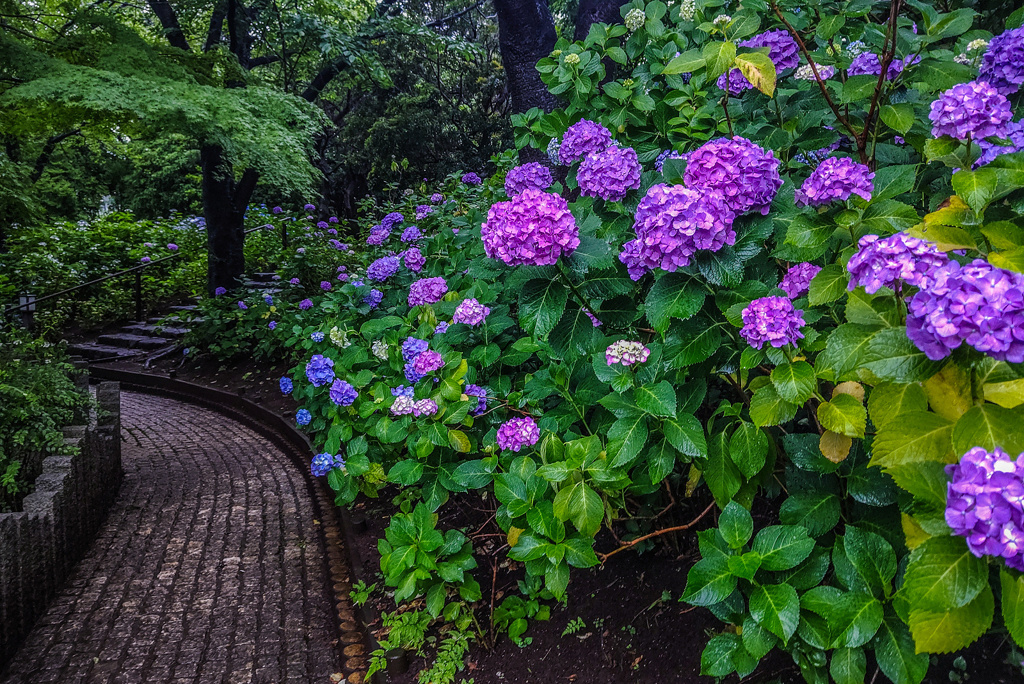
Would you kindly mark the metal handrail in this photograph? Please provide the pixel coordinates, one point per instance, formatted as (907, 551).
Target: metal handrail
(134, 269)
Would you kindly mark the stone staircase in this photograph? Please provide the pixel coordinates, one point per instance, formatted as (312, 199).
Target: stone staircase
(161, 334)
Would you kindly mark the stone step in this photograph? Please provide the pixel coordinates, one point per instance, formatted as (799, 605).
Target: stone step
(263, 277)
(129, 341)
(258, 285)
(154, 330)
(183, 307)
(94, 351)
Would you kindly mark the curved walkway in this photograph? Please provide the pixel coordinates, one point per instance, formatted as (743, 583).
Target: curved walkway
(209, 568)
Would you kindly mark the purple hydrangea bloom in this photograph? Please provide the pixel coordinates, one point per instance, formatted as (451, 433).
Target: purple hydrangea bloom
(402, 405)
(985, 504)
(382, 269)
(333, 219)
(743, 173)
(989, 151)
(342, 393)
(797, 280)
(626, 352)
(593, 319)
(516, 433)
(411, 234)
(276, 210)
(582, 138)
(782, 49)
(306, 304)
(471, 178)
(836, 178)
(673, 222)
(320, 370)
(1002, 65)
(815, 157)
(970, 110)
(411, 375)
(171, 246)
(414, 259)
(378, 235)
(533, 228)
(391, 220)
(772, 320)
(978, 304)
(441, 328)
(325, 285)
(734, 82)
(427, 362)
(309, 207)
(322, 225)
(481, 394)
(294, 281)
(427, 291)
(242, 306)
(324, 463)
(422, 210)
(302, 417)
(532, 175)
(887, 261)
(300, 250)
(402, 391)
(343, 247)
(373, 298)
(436, 198)
(272, 325)
(286, 385)
(471, 312)
(659, 163)
(332, 231)
(145, 260)
(413, 347)
(609, 174)
(424, 407)
(316, 336)
(870, 64)
(268, 299)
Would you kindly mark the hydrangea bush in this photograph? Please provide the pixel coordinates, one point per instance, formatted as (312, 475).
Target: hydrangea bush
(815, 303)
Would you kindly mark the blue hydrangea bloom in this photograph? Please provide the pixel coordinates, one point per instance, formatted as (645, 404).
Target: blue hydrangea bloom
(342, 393)
(286, 385)
(302, 417)
(413, 347)
(325, 463)
(316, 336)
(410, 373)
(402, 391)
(320, 370)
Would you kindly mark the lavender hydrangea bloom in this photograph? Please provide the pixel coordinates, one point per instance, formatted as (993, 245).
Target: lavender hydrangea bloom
(333, 219)
(985, 504)
(533, 228)
(402, 391)
(382, 269)
(272, 325)
(782, 49)
(242, 306)
(316, 336)
(302, 417)
(373, 298)
(471, 178)
(481, 394)
(441, 328)
(978, 304)
(276, 210)
(411, 375)
(268, 299)
(378, 235)
(325, 285)
(797, 280)
(391, 220)
(342, 393)
(471, 312)
(532, 175)
(887, 261)
(422, 210)
(427, 291)
(306, 304)
(516, 433)
(582, 138)
(772, 320)
(412, 234)
(1014, 133)
(413, 347)
(743, 173)
(609, 174)
(172, 247)
(806, 73)
(437, 198)
(734, 82)
(286, 385)
(294, 281)
(836, 178)
(1002, 65)
(659, 163)
(626, 352)
(309, 207)
(414, 259)
(322, 225)
(402, 406)
(320, 370)
(424, 407)
(970, 110)
(870, 64)
(427, 362)
(220, 291)
(673, 222)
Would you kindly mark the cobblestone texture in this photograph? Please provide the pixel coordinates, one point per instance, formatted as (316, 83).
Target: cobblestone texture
(209, 568)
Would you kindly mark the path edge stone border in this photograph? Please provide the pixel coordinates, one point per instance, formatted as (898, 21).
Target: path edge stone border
(355, 639)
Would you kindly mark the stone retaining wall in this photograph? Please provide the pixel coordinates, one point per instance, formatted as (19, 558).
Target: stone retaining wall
(40, 544)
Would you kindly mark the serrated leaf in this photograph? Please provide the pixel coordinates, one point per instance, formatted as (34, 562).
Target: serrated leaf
(721, 474)
(674, 295)
(887, 400)
(582, 505)
(686, 434)
(759, 69)
(709, 582)
(718, 57)
(658, 399)
(954, 629)
(976, 188)
(736, 525)
(989, 426)
(768, 408)
(748, 449)
(892, 356)
(844, 415)
(795, 382)
(943, 574)
(911, 437)
(848, 666)
(854, 619)
(835, 447)
(541, 304)
(776, 607)
(896, 655)
(872, 559)
(626, 437)
(782, 546)
(828, 285)
(1011, 599)
(686, 63)
(899, 117)
(817, 512)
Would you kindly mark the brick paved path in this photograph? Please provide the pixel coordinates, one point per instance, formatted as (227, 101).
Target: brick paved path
(209, 568)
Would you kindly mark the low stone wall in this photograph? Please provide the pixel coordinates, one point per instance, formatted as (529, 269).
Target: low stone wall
(40, 544)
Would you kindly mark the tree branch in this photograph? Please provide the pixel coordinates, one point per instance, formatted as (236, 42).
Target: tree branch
(169, 20)
(48, 149)
(678, 528)
(213, 36)
(888, 52)
(263, 61)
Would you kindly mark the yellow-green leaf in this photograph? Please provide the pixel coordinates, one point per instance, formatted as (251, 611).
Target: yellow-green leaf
(758, 69)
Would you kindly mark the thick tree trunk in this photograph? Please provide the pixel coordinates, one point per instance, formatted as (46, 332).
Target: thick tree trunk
(526, 33)
(596, 11)
(224, 204)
